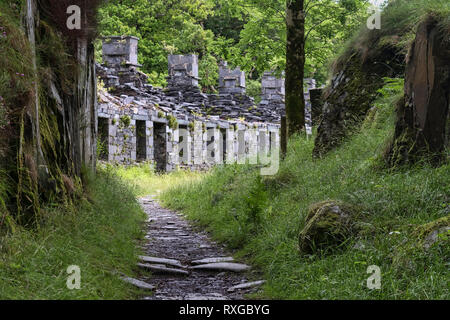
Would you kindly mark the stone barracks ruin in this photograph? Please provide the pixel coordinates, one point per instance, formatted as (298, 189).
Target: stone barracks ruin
(179, 126)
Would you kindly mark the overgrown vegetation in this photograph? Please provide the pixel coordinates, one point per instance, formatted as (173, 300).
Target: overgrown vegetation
(250, 34)
(17, 91)
(399, 22)
(98, 233)
(262, 217)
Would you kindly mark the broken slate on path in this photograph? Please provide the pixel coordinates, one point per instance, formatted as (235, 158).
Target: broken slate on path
(138, 283)
(213, 260)
(167, 262)
(162, 269)
(212, 272)
(223, 266)
(247, 285)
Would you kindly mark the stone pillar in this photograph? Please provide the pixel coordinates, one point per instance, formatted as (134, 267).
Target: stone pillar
(252, 145)
(272, 88)
(172, 148)
(174, 139)
(241, 146)
(308, 84)
(231, 154)
(272, 97)
(132, 142)
(185, 145)
(231, 81)
(149, 140)
(213, 155)
(198, 143)
(114, 147)
(263, 142)
(183, 70)
(120, 57)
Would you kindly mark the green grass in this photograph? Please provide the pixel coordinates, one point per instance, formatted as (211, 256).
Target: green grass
(262, 217)
(145, 181)
(99, 235)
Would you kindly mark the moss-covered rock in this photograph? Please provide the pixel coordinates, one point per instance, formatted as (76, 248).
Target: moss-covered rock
(428, 234)
(328, 224)
(421, 241)
(351, 94)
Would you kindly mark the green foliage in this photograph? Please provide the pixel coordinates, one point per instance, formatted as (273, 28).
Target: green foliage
(102, 148)
(125, 121)
(254, 90)
(394, 201)
(209, 73)
(250, 34)
(392, 87)
(99, 235)
(16, 68)
(173, 122)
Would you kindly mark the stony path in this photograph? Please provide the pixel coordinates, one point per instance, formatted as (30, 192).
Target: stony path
(171, 237)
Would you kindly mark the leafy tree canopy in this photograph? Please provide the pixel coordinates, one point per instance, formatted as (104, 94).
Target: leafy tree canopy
(247, 33)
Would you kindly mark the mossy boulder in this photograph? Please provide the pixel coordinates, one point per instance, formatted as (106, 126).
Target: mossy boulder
(428, 234)
(328, 224)
(421, 241)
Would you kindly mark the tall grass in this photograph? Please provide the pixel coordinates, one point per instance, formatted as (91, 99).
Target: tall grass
(98, 234)
(145, 181)
(262, 217)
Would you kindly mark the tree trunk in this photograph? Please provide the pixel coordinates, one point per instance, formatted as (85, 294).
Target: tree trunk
(295, 63)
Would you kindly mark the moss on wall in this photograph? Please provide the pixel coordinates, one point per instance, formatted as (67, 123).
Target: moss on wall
(46, 97)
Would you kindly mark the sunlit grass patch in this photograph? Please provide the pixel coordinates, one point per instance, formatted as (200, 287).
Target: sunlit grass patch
(145, 181)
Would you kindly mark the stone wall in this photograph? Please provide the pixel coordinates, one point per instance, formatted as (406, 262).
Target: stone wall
(200, 130)
(196, 143)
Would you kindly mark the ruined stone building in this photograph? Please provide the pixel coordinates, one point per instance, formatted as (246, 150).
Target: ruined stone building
(180, 126)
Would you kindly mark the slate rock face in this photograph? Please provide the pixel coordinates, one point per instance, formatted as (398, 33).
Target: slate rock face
(422, 126)
(353, 90)
(327, 225)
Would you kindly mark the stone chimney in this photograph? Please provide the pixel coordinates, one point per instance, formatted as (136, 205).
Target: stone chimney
(120, 51)
(183, 71)
(120, 62)
(231, 81)
(272, 88)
